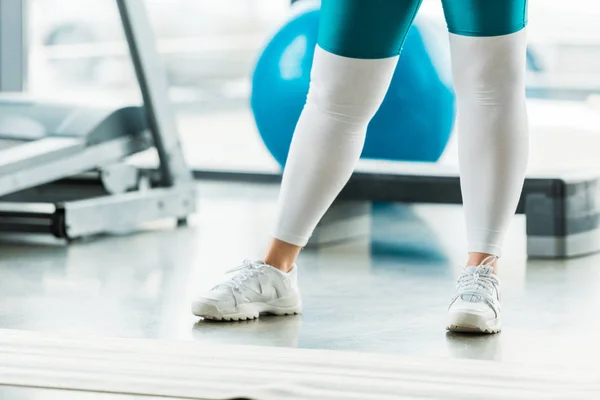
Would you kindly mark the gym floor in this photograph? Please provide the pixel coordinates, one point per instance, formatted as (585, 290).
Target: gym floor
(384, 293)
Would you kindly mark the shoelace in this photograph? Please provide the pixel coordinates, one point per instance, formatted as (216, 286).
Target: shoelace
(247, 270)
(470, 283)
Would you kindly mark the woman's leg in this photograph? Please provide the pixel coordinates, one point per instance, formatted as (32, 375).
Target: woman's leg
(488, 47)
(358, 47)
(344, 95)
(359, 44)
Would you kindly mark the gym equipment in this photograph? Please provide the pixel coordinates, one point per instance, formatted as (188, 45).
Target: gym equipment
(64, 169)
(384, 225)
(389, 224)
(414, 122)
(560, 207)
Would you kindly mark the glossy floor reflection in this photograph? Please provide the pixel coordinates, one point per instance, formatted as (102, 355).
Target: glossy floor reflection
(388, 294)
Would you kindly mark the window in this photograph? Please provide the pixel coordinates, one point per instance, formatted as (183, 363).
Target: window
(209, 49)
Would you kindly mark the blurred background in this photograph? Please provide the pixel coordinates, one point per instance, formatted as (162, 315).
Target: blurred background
(210, 47)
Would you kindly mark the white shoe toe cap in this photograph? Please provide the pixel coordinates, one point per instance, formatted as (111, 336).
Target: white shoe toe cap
(479, 308)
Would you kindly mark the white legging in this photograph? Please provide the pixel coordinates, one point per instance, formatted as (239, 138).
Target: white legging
(345, 94)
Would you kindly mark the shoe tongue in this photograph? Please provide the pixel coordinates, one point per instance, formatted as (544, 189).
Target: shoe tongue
(487, 270)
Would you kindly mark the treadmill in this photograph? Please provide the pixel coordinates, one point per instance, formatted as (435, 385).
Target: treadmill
(64, 167)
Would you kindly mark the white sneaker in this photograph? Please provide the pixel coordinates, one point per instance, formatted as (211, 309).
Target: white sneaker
(476, 304)
(256, 288)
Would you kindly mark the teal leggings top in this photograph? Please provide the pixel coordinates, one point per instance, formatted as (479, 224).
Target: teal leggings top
(377, 28)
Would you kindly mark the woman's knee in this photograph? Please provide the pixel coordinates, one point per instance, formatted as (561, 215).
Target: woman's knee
(358, 47)
(349, 89)
(490, 67)
(488, 43)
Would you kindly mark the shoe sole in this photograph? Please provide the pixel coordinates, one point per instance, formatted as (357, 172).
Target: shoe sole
(464, 322)
(242, 313)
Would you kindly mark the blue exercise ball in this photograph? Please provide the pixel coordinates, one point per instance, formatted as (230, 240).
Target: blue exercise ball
(414, 122)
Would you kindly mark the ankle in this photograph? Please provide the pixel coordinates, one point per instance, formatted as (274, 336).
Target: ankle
(282, 255)
(283, 266)
(475, 259)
